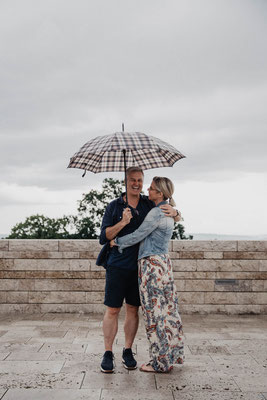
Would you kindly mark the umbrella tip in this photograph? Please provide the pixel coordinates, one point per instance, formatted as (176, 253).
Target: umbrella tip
(122, 125)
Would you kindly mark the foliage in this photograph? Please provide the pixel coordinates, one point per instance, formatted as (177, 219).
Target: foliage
(85, 225)
(92, 208)
(41, 227)
(179, 232)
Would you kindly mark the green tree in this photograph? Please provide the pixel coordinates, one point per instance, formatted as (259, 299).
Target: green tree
(179, 232)
(41, 227)
(86, 224)
(92, 208)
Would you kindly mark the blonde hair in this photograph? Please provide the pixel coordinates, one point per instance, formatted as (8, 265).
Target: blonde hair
(165, 186)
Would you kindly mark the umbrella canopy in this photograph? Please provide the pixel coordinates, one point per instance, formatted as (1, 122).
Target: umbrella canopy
(120, 150)
(113, 152)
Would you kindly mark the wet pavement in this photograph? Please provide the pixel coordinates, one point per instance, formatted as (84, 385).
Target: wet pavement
(57, 356)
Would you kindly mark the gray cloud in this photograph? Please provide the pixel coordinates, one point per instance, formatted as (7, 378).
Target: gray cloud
(189, 72)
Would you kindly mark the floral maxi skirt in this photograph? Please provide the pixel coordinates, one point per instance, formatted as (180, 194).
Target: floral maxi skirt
(159, 303)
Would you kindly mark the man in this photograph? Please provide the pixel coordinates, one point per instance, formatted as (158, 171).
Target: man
(122, 269)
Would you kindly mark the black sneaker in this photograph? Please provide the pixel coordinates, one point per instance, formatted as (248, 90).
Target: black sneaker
(128, 359)
(107, 365)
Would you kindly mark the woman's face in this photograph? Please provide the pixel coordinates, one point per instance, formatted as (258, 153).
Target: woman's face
(153, 193)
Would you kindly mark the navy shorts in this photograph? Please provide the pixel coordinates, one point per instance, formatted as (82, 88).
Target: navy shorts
(121, 284)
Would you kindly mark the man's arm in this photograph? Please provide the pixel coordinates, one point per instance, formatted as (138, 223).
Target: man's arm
(112, 231)
(108, 230)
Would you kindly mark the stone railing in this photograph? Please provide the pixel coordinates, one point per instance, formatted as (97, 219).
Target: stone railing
(61, 276)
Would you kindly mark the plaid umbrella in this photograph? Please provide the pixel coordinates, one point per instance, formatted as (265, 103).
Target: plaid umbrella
(113, 152)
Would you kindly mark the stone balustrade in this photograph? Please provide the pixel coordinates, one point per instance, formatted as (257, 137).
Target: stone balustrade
(61, 276)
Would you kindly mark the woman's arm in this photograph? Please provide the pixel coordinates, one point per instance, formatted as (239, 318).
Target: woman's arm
(149, 224)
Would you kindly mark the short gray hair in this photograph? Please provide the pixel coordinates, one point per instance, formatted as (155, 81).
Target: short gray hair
(134, 169)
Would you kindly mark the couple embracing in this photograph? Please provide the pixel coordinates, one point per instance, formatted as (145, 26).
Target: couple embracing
(139, 271)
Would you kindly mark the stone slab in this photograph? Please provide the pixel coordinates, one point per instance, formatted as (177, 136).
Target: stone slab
(213, 254)
(252, 245)
(184, 265)
(70, 308)
(223, 395)
(196, 382)
(235, 365)
(263, 265)
(41, 380)
(33, 244)
(245, 255)
(4, 355)
(199, 285)
(57, 297)
(4, 245)
(249, 383)
(191, 255)
(16, 284)
(257, 277)
(2, 392)
(6, 264)
(52, 265)
(220, 298)
(52, 394)
(62, 284)
(49, 347)
(18, 367)
(192, 297)
(31, 254)
(134, 393)
(204, 245)
(95, 380)
(98, 285)
(17, 297)
(28, 356)
(194, 275)
(208, 349)
(79, 245)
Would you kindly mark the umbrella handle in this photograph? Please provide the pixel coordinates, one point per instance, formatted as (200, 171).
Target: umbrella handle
(124, 156)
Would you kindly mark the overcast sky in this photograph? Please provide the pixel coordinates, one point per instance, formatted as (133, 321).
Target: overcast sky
(193, 73)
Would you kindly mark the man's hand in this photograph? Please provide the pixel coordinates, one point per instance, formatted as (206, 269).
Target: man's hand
(126, 216)
(112, 231)
(112, 243)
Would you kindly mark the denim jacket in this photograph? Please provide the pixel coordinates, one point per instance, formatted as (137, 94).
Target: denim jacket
(154, 234)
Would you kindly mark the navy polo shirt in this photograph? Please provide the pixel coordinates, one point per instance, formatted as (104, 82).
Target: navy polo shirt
(113, 214)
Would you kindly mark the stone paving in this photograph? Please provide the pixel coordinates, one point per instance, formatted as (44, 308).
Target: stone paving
(57, 356)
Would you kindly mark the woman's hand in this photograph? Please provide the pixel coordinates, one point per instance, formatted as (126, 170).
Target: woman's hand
(126, 216)
(169, 211)
(112, 243)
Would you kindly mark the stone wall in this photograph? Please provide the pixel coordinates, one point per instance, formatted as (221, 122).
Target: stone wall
(61, 276)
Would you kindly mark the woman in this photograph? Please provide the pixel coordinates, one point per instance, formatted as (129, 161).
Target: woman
(157, 290)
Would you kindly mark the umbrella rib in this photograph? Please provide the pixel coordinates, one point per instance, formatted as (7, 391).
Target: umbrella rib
(166, 152)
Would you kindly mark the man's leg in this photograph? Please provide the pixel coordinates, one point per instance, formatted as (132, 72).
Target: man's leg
(110, 326)
(130, 325)
(130, 329)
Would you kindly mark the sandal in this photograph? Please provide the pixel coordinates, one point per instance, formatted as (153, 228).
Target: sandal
(143, 369)
(152, 369)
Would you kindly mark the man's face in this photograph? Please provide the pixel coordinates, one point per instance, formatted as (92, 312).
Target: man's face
(135, 183)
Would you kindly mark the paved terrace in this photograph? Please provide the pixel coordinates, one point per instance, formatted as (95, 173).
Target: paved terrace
(57, 356)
